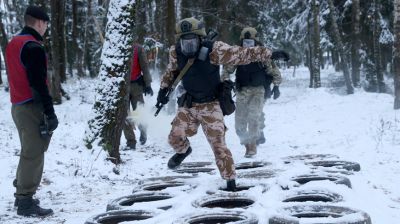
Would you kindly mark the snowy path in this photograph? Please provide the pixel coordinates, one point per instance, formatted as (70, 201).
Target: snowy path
(78, 183)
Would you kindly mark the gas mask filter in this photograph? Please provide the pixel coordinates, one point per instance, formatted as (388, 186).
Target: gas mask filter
(248, 43)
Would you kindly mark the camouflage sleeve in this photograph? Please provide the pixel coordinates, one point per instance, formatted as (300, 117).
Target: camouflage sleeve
(225, 54)
(168, 77)
(227, 71)
(144, 65)
(273, 70)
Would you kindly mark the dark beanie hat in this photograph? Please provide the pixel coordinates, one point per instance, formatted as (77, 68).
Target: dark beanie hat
(37, 12)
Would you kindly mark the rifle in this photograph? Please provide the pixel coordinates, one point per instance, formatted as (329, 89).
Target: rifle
(211, 35)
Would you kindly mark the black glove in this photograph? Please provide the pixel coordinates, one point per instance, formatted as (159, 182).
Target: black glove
(267, 93)
(148, 90)
(162, 96)
(279, 54)
(276, 92)
(52, 122)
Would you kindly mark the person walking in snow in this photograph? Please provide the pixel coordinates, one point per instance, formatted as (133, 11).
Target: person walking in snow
(252, 86)
(199, 104)
(32, 108)
(140, 83)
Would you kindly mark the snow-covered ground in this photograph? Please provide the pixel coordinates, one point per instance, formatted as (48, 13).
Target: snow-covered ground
(78, 183)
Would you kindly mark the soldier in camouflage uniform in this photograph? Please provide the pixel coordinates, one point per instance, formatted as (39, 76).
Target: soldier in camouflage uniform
(252, 82)
(199, 105)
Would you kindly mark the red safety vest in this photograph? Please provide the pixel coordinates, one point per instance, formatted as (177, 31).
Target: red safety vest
(20, 91)
(136, 70)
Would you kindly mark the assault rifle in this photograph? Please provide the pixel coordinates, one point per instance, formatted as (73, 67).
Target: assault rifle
(211, 35)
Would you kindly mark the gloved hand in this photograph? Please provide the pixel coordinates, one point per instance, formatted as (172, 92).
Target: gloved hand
(52, 122)
(148, 90)
(275, 92)
(279, 54)
(162, 96)
(267, 93)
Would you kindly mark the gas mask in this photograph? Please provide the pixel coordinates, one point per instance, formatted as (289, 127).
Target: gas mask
(190, 44)
(248, 43)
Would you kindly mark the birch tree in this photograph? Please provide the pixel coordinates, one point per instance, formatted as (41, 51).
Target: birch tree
(111, 106)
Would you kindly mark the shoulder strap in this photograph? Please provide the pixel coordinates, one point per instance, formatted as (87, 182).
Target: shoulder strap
(182, 72)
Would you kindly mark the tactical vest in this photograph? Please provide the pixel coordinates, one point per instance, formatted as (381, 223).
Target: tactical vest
(202, 78)
(20, 91)
(253, 74)
(136, 70)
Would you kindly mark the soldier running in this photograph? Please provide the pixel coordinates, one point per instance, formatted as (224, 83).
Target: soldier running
(200, 105)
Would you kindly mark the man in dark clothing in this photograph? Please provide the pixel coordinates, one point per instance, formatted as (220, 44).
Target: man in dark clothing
(140, 83)
(32, 108)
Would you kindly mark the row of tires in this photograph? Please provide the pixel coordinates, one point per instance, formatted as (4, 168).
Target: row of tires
(232, 207)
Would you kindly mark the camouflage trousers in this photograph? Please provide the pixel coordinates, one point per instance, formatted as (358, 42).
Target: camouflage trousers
(135, 98)
(249, 106)
(209, 116)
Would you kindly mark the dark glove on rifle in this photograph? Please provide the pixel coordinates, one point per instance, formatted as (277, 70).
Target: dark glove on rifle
(275, 92)
(162, 96)
(279, 54)
(148, 90)
(52, 122)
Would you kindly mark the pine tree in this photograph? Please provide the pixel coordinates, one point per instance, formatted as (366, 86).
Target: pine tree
(111, 105)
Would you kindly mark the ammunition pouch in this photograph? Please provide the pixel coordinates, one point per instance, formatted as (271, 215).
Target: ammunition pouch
(225, 97)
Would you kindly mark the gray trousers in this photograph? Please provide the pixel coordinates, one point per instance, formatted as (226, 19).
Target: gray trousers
(27, 118)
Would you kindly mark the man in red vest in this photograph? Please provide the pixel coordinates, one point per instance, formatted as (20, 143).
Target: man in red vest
(32, 108)
(140, 83)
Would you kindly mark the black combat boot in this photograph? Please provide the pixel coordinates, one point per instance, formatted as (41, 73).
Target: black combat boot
(35, 201)
(130, 145)
(143, 137)
(177, 159)
(26, 207)
(231, 185)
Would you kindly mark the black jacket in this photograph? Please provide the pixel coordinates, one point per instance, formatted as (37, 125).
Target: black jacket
(33, 57)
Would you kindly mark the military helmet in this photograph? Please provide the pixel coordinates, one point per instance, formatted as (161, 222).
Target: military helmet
(190, 25)
(249, 33)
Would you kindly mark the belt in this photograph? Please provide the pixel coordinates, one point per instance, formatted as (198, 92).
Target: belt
(204, 99)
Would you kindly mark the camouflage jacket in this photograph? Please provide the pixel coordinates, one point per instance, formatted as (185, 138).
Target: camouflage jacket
(270, 68)
(221, 54)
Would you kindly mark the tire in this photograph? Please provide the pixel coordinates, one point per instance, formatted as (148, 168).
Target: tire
(125, 202)
(339, 164)
(257, 174)
(233, 217)
(251, 165)
(160, 185)
(313, 196)
(244, 187)
(225, 201)
(337, 179)
(324, 214)
(166, 178)
(196, 164)
(307, 157)
(194, 170)
(120, 216)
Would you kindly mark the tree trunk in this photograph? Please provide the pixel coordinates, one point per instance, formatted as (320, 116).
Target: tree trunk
(396, 54)
(223, 26)
(316, 49)
(57, 48)
(171, 20)
(111, 106)
(377, 51)
(3, 41)
(140, 20)
(310, 54)
(339, 46)
(77, 9)
(355, 43)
